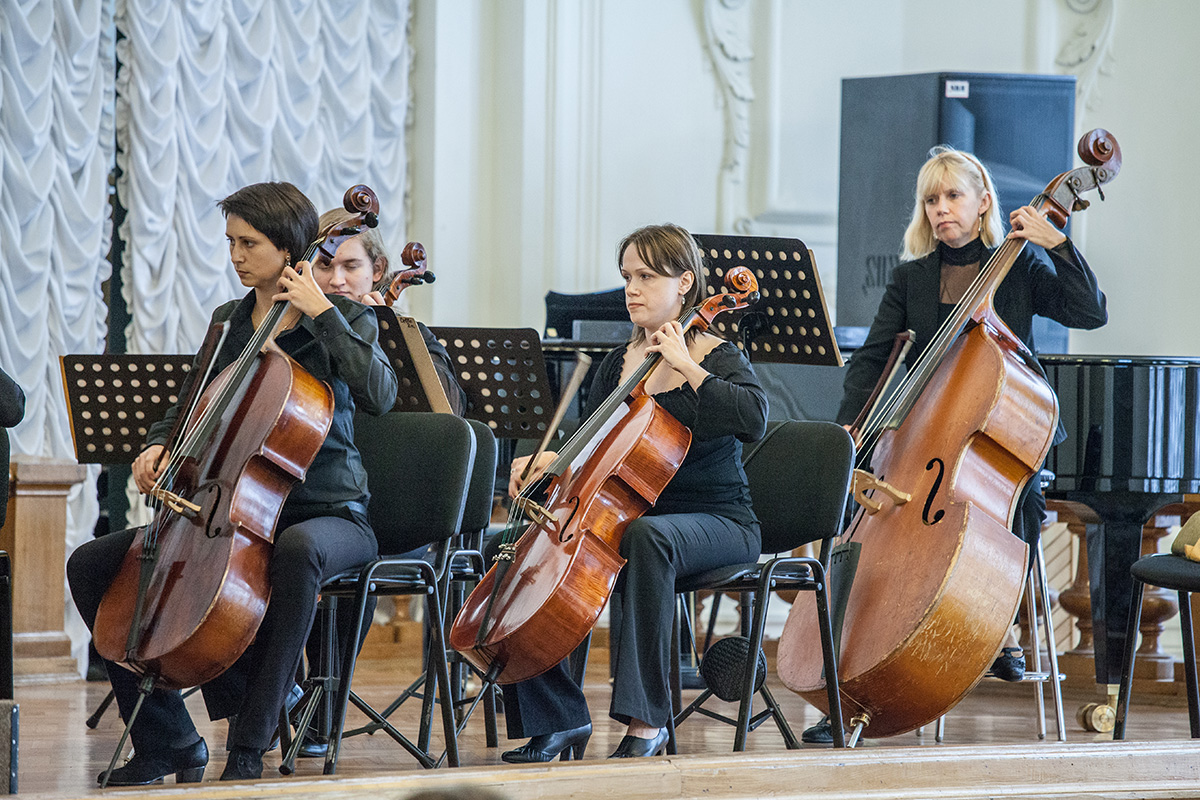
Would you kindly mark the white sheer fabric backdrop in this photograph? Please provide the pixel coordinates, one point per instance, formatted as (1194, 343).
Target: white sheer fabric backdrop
(56, 150)
(214, 96)
(210, 97)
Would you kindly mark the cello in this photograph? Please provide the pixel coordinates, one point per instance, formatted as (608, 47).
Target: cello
(193, 588)
(542, 597)
(938, 573)
(413, 257)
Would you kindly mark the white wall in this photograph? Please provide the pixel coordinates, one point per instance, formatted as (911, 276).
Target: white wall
(544, 130)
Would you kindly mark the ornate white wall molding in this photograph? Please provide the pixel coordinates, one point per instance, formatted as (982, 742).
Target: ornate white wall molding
(727, 39)
(578, 257)
(1086, 52)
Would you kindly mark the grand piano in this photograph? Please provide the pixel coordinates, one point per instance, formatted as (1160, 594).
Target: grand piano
(1133, 447)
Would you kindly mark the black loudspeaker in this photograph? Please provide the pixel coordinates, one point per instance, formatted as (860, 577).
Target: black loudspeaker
(1021, 127)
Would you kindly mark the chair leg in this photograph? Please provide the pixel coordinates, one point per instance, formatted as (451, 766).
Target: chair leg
(449, 729)
(319, 687)
(1131, 637)
(1051, 643)
(674, 680)
(832, 687)
(1189, 661)
(759, 602)
(1035, 647)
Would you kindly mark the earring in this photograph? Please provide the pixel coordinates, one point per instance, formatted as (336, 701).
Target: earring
(287, 260)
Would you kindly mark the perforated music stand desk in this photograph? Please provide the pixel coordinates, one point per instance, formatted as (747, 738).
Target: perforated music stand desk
(503, 372)
(401, 341)
(790, 324)
(113, 399)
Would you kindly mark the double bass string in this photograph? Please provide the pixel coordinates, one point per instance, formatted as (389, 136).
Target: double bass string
(896, 407)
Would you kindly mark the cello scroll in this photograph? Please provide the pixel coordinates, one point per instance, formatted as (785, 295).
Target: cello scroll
(413, 256)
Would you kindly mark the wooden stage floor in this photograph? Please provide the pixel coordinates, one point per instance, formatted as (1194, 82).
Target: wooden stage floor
(990, 750)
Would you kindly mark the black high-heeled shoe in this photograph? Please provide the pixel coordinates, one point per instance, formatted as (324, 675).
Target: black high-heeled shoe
(637, 747)
(187, 763)
(547, 746)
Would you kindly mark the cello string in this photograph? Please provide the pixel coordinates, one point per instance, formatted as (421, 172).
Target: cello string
(587, 432)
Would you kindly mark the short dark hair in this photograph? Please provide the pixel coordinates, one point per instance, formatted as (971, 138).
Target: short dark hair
(278, 211)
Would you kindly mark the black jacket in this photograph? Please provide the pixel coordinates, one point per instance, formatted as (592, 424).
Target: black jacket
(1066, 292)
(340, 347)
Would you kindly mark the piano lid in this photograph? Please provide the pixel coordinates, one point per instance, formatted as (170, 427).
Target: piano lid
(1131, 423)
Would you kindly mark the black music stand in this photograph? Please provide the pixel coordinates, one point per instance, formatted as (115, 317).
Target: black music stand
(503, 372)
(401, 341)
(790, 324)
(112, 400)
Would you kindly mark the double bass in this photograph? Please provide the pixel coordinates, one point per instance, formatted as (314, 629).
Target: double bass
(193, 588)
(943, 463)
(542, 597)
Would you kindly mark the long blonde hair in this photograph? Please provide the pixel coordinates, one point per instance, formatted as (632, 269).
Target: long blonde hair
(668, 250)
(960, 170)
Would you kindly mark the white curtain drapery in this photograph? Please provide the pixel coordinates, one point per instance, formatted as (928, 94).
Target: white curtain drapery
(209, 97)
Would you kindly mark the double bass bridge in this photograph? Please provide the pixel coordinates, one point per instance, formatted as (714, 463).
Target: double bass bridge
(863, 482)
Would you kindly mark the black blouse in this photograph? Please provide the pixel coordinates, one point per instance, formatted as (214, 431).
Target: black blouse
(730, 408)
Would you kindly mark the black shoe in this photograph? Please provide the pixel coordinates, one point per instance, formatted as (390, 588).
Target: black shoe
(637, 747)
(244, 764)
(545, 747)
(312, 747)
(186, 762)
(821, 733)
(293, 697)
(1009, 665)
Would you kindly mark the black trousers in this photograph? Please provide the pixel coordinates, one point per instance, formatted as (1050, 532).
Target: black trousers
(307, 552)
(1030, 515)
(658, 549)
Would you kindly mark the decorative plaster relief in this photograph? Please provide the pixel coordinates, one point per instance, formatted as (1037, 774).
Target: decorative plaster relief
(727, 39)
(1086, 51)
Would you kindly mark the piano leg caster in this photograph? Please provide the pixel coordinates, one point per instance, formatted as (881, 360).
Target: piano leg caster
(1097, 717)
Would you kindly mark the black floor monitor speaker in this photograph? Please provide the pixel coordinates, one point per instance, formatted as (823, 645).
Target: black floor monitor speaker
(1021, 127)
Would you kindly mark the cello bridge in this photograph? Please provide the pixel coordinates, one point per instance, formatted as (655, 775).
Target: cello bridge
(535, 512)
(864, 482)
(176, 503)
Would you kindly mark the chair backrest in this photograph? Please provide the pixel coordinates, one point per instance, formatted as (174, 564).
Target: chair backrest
(799, 476)
(418, 470)
(482, 491)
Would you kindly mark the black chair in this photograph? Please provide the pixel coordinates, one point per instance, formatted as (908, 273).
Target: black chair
(462, 566)
(799, 476)
(1183, 576)
(419, 468)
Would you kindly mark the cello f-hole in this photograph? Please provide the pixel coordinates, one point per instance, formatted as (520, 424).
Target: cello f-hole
(937, 484)
(563, 536)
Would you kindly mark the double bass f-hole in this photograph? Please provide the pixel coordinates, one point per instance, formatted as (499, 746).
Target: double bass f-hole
(937, 484)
